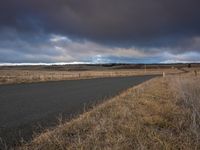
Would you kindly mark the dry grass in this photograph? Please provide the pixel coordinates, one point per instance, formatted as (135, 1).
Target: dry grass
(27, 76)
(162, 113)
(188, 98)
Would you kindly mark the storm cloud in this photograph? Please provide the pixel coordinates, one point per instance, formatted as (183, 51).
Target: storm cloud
(110, 30)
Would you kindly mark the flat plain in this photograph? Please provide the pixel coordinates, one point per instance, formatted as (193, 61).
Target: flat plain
(79, 107)
(162, 113)
(29, 74)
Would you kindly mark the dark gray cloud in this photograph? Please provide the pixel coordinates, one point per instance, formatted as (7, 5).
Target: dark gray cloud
(167, 25)
(105, 20)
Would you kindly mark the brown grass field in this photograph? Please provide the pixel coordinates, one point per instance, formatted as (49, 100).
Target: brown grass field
(162, 113)
(10, 76)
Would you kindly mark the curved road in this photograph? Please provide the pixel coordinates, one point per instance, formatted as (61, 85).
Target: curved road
(24, 106)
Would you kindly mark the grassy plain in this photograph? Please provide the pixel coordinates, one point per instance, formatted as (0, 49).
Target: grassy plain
(162, 113)
(10, 76)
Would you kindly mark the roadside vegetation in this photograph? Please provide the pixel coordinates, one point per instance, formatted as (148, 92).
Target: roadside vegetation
(163, 113)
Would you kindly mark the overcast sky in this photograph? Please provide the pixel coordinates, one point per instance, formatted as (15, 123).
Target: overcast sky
(99, 31)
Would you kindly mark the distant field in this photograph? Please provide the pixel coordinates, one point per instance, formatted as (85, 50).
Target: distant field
(28, 74)
(163, 113)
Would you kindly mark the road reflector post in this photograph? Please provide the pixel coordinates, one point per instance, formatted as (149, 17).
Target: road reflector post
(163, 74)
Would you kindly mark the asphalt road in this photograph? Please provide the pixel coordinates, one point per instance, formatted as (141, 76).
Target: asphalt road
(24, 108)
